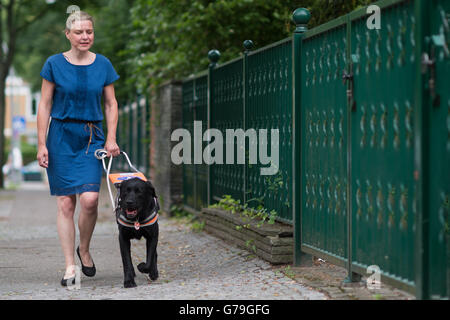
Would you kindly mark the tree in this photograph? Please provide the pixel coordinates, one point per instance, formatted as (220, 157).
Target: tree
(171, 38)
(112, 33)
(150, 41)
(15, 16)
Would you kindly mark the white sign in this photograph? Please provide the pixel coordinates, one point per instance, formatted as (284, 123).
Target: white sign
(19, 124)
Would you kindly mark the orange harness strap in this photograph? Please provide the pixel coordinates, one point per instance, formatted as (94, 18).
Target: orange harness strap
(136, 224)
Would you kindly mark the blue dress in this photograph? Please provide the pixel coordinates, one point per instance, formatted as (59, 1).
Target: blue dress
(75, 130)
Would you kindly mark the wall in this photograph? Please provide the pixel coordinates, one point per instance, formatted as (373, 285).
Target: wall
(166, 113)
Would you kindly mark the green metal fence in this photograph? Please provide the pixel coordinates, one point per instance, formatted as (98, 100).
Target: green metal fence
(133, 134)
(324, 146)
(436, 140)
(364, 122)
(195, 175)
(382, 135)
(266, 104)
(226, 112)
(365, 137)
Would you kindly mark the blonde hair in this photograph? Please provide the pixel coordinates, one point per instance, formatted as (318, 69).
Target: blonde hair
(78, 15)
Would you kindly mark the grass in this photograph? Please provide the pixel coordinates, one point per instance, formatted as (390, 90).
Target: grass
(289, 273)
(195, 224)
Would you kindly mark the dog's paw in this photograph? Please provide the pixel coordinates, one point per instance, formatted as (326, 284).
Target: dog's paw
(129, 284)
(142, 268)
(153, 275)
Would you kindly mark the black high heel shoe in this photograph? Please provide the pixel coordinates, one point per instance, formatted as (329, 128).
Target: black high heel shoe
(69, 280)
(88, 271)
(64, 281)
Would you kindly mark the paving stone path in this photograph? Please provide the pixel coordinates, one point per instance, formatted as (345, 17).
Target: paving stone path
(191, 265)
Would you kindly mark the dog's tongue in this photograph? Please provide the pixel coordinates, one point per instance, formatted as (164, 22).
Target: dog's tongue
(131, 212)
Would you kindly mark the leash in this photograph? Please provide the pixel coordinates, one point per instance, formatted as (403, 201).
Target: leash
(101, 154)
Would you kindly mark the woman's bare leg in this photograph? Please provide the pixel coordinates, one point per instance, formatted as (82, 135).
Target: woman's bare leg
(66, 229)
(86, 224)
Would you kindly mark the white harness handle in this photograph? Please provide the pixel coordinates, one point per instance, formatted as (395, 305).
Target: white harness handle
(100, 154)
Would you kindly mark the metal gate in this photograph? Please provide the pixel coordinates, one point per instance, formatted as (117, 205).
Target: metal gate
(436, 117)
(375, 144)
(324, 142)
(382, 132)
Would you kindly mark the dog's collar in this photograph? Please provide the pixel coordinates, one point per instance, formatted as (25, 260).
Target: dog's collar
(136, 224)
(121, 219)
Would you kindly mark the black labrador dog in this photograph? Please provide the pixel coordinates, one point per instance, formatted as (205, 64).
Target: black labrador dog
(137, 214)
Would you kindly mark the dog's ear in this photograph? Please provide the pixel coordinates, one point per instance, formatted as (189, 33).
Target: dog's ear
(150, 189)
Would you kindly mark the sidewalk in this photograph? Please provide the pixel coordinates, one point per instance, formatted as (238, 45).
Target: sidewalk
(191, 265)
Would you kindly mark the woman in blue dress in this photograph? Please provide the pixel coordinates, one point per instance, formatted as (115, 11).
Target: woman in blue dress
(73, 85)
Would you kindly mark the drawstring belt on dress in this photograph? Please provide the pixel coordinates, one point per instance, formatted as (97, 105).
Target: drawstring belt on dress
(92, 129)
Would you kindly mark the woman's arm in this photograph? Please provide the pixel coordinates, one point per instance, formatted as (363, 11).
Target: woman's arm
(112, 115)
(43, 116)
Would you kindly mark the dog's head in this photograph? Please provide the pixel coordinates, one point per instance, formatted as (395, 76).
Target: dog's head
(137, 197)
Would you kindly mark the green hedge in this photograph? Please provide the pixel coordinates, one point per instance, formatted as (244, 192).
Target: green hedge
(29, 151)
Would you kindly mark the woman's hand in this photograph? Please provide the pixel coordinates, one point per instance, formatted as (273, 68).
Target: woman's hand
(112, 148)
(42, 156)
(43, 116)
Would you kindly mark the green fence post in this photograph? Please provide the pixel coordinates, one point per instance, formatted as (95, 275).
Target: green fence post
(126, 125)
(301, 17)
(194, 165)
(118, 130)
(352, 277)
(130, 128)
(421, 155)
(139, 120)
(213, 56)
(147, 136)
(119, 133)
(248, 45)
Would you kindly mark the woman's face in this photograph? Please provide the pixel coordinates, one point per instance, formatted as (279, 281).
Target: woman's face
(81, 35)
